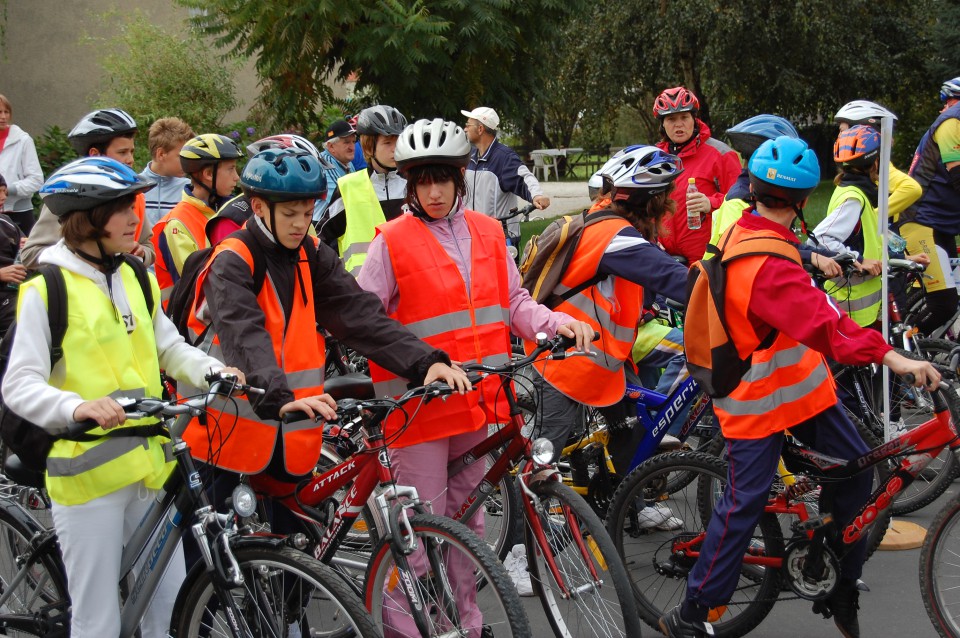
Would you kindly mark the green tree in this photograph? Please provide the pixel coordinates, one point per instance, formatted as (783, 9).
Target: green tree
(426, 57)
(151, 73)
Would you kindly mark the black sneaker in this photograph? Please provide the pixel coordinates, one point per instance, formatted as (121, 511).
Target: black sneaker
(673, 626)
(842, 606)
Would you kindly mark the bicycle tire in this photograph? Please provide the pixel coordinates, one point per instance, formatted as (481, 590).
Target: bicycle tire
(657, 575)
(503, 514)
(285, 579)
(938, 563)
(40, 604)
(497, 602)
(594, 610)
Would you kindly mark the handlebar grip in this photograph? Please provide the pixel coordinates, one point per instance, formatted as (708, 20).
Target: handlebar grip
(78, 428)
(298, 415)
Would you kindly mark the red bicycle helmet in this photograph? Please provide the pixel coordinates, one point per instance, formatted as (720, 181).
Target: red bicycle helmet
(675, 100)
(858, 146)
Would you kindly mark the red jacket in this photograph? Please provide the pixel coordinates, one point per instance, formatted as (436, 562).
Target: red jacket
(716, 167)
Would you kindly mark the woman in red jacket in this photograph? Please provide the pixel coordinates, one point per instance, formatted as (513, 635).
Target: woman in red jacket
(713, 164)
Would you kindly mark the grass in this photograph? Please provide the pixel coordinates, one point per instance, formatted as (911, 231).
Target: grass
(814, 213)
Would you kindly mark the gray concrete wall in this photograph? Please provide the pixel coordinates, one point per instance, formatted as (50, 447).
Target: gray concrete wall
(52, 76)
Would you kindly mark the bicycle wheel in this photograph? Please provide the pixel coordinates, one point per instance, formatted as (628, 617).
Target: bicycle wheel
(42, 589)
(657, 572)
(940, 571)
(443, 570)
(285, 592)
(593, 597)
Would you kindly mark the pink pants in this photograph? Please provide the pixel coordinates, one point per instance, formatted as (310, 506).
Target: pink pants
(424, 466)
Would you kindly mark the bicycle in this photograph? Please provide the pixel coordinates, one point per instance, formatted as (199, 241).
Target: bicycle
(408, 570)
(574, 568)
(246, 585)
(513, 240)
(807, 561)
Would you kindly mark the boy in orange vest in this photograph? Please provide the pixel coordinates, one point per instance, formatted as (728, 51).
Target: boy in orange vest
(788, 386)
(210, 161)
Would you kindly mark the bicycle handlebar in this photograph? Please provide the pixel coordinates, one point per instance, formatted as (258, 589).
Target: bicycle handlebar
(516, 212)
(220, 385)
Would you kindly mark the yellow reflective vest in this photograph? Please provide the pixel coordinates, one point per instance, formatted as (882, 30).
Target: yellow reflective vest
(100, 358)
(859, 295)
(364, 213)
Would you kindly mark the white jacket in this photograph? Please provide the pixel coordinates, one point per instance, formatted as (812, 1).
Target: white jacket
(26, 387)
(21, 170)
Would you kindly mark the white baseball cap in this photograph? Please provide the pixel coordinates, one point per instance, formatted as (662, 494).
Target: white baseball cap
(485, 115)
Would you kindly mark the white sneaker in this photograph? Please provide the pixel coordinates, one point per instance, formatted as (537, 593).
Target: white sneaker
(516, 565)
(658, 516)
(669, 443)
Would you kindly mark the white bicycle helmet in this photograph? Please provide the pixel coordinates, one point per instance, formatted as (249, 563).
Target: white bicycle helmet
(99, 127)
(285, 140)
(863, 112)
(380, 120)
(88, 182)
(646, 169)
(432, 142)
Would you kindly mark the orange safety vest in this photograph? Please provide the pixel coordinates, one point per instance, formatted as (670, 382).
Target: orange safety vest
(193, 218)
(787, 383)
(140, 208)
(235, 438)
(597, 381)
(470, 326)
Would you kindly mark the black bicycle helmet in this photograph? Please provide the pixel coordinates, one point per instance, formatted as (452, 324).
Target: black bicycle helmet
(381, 120)
(99, 127)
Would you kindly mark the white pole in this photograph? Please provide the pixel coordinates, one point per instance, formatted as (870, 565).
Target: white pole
(886, 140)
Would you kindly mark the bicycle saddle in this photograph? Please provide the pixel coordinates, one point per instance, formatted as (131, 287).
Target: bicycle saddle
(21, 475)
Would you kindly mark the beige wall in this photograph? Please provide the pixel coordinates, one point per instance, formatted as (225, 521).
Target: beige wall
(52, 77)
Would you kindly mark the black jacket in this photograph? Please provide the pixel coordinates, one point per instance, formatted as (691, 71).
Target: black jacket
(349, 313)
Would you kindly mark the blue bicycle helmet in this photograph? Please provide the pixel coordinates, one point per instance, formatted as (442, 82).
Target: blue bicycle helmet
(88, 182)
(783, 172)
(950, 90)
(283, 175)
(747, 136)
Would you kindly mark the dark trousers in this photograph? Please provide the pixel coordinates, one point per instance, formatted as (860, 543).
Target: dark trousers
(752, 465)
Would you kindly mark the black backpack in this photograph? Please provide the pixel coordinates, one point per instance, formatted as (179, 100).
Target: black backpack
(184, 291)
(28, 441)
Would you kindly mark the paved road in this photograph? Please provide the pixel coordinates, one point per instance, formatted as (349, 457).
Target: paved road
(565, 197)
(893, 607)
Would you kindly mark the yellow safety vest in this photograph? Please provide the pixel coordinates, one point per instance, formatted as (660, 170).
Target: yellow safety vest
(729, 213)
(364, 214)
(101, 359)
(860, 295)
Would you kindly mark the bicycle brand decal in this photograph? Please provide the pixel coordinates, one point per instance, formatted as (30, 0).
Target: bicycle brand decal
(855, 530)
(334, 475)
(383, 458)
(675, 407)
(887, 449)
(194, 480)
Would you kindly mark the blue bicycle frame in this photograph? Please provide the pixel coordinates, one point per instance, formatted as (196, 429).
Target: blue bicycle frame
(687, 394)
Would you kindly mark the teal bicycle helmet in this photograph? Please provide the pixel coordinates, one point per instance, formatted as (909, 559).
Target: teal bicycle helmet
(783, 172)
(283, 175)
(747, 136)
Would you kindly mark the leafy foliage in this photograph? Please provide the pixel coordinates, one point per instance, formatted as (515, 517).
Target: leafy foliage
(151, 74)
(53, 149)
(426, 57)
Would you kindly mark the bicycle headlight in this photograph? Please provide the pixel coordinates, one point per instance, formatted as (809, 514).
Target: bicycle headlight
(244, 500)
(542, 451)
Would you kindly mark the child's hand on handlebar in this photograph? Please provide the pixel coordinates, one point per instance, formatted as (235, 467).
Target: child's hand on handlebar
(241, 378)
(105, 411)
(826, 265)
(579, 330)
(923, 371)
(321, 405)
(452, 376)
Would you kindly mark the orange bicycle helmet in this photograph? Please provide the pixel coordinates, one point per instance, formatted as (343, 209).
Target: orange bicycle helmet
(857, 147)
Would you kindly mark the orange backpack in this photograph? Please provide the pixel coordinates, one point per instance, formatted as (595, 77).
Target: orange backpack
(712, 357)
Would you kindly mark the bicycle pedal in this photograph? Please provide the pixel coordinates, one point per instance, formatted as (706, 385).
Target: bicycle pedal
(812, 524)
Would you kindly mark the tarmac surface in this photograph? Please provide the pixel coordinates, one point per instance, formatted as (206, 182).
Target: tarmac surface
(565, 197)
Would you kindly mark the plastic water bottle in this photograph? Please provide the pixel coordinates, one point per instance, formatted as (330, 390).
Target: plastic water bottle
(16, 262)
(693, 219)
(896, 243)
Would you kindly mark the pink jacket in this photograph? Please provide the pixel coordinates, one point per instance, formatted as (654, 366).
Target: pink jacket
(527, 317)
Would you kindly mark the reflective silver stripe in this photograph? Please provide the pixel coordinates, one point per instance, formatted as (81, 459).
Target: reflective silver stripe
(166, 293)
(582, 302)
(496, 359)
(357, 248)
(780, 396)
(458, 320)
(606, 361)
(390, 388)
(782, 359)
(855, 279)
(110, 449)
(133, 393)
(852, 305)
(296, 426)
(305, 378)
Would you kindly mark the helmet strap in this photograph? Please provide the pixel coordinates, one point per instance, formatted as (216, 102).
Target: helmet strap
(798, 209)
(107, 263)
